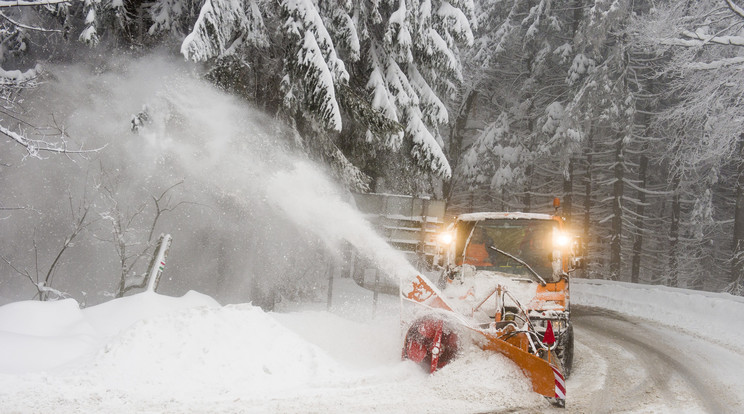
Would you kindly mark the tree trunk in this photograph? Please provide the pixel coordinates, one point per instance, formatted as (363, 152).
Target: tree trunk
(457, 136)
(640, 211)
(528, 189)
(578, 17)
(331, 269)
(568, 192)
(673, 279)
(617, 212)
(588, 191)
(737, 268)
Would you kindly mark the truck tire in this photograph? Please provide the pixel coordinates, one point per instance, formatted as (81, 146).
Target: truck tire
(565, 351)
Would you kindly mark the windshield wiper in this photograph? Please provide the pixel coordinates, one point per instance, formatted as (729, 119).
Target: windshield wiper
(522, 262)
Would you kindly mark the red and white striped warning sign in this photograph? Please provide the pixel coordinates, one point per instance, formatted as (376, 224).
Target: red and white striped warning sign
(560, 384)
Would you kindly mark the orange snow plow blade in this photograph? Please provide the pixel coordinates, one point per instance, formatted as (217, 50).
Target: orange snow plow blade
(546, 379)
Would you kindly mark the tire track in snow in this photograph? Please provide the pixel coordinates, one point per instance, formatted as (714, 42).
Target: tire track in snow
(657, 380)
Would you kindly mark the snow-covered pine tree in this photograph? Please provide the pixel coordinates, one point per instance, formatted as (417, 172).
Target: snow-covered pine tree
(701, 125)
(495, 160)
(221, 28)
(412, 62)
(604, 92)
(520, 62)
(575, 109)
(312, 67)
(403, 55)
(173, 17)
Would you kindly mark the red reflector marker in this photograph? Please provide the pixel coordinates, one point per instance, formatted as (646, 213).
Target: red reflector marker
(549, 337)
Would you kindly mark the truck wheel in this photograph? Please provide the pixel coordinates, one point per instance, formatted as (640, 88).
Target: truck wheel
(565, 351)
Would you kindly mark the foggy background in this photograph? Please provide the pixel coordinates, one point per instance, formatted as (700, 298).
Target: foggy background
(243, 204)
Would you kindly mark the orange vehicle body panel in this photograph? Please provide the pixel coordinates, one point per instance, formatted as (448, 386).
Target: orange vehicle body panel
(551, 292)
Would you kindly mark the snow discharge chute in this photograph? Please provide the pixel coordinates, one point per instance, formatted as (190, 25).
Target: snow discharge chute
(432, 341)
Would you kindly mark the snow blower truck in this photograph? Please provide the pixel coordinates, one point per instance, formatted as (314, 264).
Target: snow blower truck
(504, 284)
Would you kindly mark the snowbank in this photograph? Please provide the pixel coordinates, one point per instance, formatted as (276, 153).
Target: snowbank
(715, 316)
(43, 335)
(205, 351)
(39, 336)
(111, 317)
(152, 353)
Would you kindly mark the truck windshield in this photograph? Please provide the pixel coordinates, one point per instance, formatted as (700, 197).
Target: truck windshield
(528, 239)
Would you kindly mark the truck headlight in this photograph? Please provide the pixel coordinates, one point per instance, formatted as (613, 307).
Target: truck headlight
(445, 238)
(561, 239)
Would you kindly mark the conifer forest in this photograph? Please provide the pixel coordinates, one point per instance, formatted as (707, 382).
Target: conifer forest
(629, 111)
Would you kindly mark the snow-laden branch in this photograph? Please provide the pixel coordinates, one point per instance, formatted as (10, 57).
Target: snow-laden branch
(320, 79)
(19, 79)
(646, 190)
(42, 290)
(23, 26)
(50, 292)
(21, 3)
(717, 64)
(221, 27)
(735, 8)
(35, 147)
(700, 39)
(606, 219)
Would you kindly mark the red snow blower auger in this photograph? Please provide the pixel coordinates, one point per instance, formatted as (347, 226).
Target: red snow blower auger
(430, 342)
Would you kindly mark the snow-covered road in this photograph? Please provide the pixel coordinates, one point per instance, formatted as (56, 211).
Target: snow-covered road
(628, 365)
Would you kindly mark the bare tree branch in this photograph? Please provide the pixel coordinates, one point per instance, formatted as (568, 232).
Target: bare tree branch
(23, 26)
(80, 226)
(700, 39)
(23, 273)
(42, 291)
(24, 3)
(43, 285)
(34, 147)
(129, 249)
(159, 211)
(735, 8)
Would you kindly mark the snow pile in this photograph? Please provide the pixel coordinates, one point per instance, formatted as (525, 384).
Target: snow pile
(153, 353)
(45, 335)
(110, 318)
(714, 316)
(42, 335)
(208, 351)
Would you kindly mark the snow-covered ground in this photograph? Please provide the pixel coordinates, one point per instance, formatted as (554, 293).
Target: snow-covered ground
(717, 317)
(656, 349)
(150, 353)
